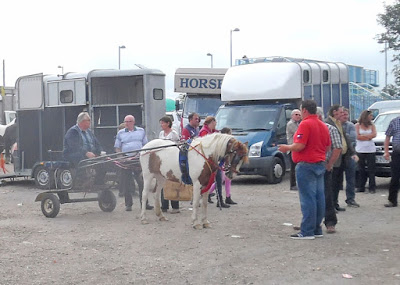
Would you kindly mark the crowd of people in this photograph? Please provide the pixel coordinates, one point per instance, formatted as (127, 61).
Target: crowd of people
(323, 151)
(80, 143)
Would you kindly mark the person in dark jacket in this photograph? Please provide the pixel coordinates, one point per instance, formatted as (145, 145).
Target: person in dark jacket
(79, 141)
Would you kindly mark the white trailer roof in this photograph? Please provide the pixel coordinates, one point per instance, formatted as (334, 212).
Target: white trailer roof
(262, 81)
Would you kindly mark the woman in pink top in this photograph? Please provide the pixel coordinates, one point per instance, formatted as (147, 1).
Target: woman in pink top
(209, 128)
(228, 182)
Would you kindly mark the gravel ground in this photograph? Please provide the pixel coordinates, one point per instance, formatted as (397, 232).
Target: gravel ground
(247, 244)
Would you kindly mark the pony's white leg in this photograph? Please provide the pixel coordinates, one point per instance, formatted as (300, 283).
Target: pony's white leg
(204, 221)
(157, 200)
(196, 199)
(146, 187)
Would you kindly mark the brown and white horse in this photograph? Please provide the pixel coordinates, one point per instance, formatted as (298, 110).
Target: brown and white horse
(203, 156)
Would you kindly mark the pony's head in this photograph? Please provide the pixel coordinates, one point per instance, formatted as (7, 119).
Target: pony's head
(236, 155)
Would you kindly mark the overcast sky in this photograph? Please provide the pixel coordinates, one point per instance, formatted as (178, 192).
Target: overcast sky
(38, 36)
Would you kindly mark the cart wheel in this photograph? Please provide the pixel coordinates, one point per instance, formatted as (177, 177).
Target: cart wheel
(64, 178)
(107, 201)
(50, 205)
(44, 178)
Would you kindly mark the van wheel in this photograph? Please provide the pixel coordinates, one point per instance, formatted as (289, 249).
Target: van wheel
(276, 172)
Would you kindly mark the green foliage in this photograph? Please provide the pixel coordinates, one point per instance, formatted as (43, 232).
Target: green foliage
(390, 20)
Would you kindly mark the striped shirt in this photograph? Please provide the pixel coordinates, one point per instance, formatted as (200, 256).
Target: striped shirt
(394, 131)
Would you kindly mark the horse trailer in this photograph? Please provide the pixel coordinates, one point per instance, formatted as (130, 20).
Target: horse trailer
(48, 105)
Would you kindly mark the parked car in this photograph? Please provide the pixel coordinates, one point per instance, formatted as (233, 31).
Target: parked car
(381, 123)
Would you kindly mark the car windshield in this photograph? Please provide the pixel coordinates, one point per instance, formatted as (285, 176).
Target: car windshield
(247, 118)
(204, 106)
(382, 121)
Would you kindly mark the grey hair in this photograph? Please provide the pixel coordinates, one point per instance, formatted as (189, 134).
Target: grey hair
(320, 113)
(82, 116)
(295, 110)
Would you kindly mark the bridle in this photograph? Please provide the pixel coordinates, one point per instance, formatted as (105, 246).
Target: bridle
(232, 159)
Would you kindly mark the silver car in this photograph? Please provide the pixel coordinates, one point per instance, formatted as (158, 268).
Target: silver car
(381, 122)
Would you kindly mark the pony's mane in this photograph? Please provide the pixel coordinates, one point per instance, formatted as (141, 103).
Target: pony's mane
(216, 141)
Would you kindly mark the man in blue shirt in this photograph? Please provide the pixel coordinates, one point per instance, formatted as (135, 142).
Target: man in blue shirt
(393, 131)
(130, 139)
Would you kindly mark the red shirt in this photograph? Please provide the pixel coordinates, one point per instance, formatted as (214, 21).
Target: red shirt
(205, 130)
(314, 134)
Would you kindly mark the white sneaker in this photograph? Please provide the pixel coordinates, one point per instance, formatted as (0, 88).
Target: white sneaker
(300, 236)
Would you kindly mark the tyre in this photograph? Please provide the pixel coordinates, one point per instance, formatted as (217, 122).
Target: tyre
(64, 179)
(50, 205)
(276, 171)
(107, 201)
(44, 178)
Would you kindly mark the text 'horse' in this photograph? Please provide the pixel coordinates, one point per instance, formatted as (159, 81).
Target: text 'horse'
(203, 157)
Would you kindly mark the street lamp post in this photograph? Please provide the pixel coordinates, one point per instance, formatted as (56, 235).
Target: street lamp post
(234, 30)
(209, 54)
(119, 56)
(62, 69)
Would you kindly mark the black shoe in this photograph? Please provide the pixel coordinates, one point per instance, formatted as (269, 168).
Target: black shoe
(340, 209)
(209, 199)
(353, 204)
(229, 200)
(360, 190)
(128, 208)
(390, 205)
(164, 210)
(212, 194)
(148, 207)
(372, 191)
(294, 188)
(223, 205)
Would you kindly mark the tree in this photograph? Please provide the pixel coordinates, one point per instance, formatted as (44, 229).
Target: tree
(390, 20)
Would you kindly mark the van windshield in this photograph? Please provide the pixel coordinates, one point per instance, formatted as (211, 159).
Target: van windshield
(382, 121)
(204, 106)
(247, 118)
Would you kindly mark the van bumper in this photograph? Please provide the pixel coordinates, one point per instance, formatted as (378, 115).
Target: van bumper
(257, 166)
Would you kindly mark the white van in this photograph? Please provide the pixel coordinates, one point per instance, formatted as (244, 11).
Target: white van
(384, 106)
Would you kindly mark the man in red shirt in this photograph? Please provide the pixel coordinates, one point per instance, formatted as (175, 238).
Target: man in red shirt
(191, 130)
(310, 144)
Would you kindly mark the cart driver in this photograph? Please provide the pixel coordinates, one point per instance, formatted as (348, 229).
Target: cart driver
(79, 142)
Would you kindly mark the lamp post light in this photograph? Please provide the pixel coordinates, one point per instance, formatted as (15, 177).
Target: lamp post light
(62, 69)
(209, 54)
(119, 56)
(234, 30)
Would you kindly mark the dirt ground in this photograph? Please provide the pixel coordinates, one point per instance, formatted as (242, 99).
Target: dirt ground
(247, 244)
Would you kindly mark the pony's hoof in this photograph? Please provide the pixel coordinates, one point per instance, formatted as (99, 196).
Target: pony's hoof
(206, 225)
(144, 222)
(198, 227)
(163, 219)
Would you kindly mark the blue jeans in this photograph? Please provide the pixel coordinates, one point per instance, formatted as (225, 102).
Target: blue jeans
(310, 181)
